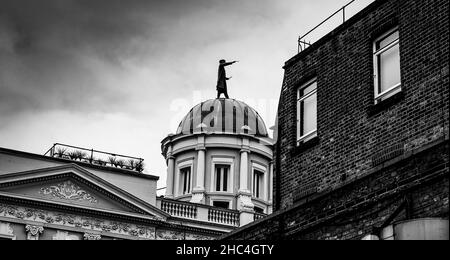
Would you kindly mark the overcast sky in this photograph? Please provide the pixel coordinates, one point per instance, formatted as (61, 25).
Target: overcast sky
(118, 76)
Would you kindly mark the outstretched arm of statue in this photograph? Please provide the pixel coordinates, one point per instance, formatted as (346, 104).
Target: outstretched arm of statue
(228, 78)
(229, 63)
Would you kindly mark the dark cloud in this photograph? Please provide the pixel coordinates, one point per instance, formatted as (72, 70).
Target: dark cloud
(69, 54)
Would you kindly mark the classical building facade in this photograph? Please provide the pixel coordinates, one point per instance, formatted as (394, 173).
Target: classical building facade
(221, 156)
(219, 178)
(72, 194)
(363, 130)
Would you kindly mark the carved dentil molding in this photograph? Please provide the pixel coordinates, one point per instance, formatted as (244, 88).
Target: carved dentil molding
(68, 191)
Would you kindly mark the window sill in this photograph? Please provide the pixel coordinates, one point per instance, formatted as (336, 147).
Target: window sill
(385, 104)
(301, 147)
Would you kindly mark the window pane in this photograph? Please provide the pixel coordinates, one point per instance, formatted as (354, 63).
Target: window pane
(218, 171)
(258, 183)
(254, 181)
(389, 68)
(386, 41)
(308, 89)
(309, 114)
(221, 175)
(185, 180)
(225, 179)
(221, 204)
(188, 174)
(258, 210)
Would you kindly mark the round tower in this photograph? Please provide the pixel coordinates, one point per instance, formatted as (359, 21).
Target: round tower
(221, 155)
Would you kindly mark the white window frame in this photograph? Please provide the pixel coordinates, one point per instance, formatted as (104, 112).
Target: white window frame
(230, 180)
(181, 165)
(263, 188)
(313, 133)
(397, 87)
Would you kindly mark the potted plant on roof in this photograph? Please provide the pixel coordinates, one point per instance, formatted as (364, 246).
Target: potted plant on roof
(131, 164)
(99, 161)
(60, 152)
(139, 166)
(82, 156)
(119, 163)
(112, 160)
(73, 155)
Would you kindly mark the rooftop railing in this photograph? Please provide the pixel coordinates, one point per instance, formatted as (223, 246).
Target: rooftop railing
(331, 22)
(95, 157)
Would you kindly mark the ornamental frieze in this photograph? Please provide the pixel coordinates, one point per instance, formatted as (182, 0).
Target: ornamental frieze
(68, 191)
(84, 223)
(90, 236)
(89, 224)
(169, 235)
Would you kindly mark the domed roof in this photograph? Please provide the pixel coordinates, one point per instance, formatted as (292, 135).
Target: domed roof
(222, 116)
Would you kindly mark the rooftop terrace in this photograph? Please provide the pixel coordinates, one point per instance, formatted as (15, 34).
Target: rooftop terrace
(96, 157)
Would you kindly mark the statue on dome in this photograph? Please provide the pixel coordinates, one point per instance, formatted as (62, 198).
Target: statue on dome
(222, 78)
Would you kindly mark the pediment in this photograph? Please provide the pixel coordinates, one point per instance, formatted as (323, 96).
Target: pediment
(68, 190)
(74, 186)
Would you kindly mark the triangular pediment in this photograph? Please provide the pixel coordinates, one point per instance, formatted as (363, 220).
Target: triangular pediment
(74, 186)
(68, 190)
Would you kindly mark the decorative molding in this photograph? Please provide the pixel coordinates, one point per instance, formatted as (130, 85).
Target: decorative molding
(79, 222)
(245, 202)
(196, 237)
(169, 235)
(198, 196)
(33, 231)
(89, 224)
(68, 191)
(90, 236)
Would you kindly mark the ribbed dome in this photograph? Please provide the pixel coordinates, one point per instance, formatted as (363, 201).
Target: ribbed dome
(223, 116)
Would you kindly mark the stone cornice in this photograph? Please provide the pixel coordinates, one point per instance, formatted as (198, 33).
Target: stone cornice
(228, 146)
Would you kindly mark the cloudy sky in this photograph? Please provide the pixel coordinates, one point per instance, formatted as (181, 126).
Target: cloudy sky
(118, 75)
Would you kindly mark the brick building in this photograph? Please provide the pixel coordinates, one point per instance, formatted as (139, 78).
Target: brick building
(363, 130)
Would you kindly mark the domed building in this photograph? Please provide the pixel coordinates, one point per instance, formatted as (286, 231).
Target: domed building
(221, 155)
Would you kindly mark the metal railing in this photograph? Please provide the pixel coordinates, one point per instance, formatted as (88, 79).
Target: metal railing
(95, 157)
(303, 44)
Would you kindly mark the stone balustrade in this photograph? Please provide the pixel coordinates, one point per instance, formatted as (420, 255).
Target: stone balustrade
(257, 216)
(200, 212)
(179, 209)
(223, 216)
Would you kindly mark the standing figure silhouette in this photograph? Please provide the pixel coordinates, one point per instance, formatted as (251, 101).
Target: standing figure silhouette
(222, 78)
